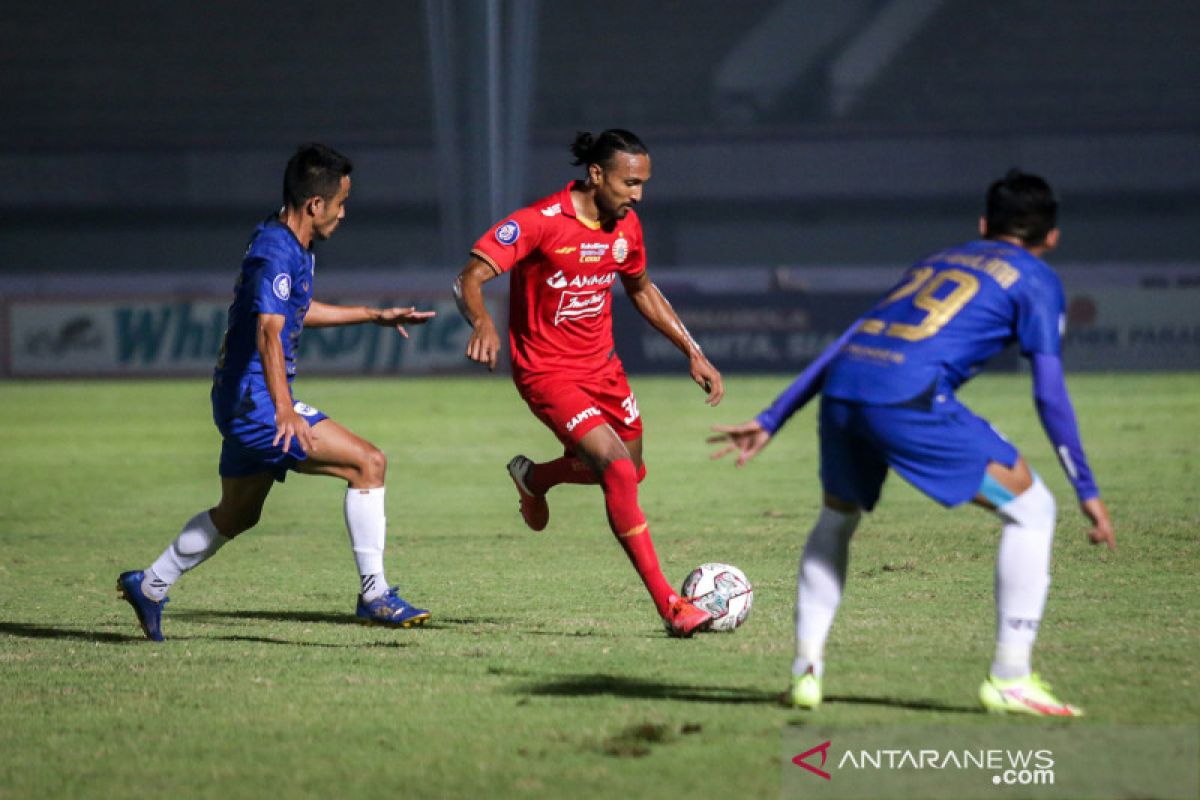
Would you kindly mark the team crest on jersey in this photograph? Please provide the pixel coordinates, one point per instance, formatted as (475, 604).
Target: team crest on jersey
(282, 287)
(509, 232)
(620, 249)
(304, 409)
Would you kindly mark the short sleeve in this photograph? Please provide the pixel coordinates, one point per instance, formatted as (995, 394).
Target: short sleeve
(510, 240)
(1041, 314)
(270, 280)
(635, 264)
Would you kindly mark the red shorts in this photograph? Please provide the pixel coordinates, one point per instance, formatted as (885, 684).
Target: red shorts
(571, 406)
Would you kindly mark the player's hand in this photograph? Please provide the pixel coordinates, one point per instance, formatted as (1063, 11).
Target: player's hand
(707, 378)
(399, 317)
(288, 426)
(1102, 530)
(748, 439)
(484, 344)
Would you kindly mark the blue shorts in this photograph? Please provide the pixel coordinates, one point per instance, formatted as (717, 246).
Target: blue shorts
(247, 447)
(943, 450)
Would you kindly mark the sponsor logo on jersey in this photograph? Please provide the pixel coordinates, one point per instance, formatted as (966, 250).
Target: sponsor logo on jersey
(620, 249)
(587, 413)
(592, 252)
(509, 232)
(552, 211)
(579, 305)
(282, 286)
(559, 280)
(565, 251)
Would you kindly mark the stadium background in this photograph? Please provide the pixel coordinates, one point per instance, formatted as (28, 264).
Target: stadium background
(803, 153)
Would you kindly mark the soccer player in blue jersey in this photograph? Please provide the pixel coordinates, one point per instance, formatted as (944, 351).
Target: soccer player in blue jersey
(887, 389)
(266, 431)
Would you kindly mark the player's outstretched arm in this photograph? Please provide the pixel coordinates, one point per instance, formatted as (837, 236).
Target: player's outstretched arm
(652, 305)
(807, 385)
(399, 317)
(324, 315)
(748, 439)
(484, 344)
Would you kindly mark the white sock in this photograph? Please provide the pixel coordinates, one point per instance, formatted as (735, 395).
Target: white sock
(819, 586)
(1022, 578)
(194, 545)
(367, 523)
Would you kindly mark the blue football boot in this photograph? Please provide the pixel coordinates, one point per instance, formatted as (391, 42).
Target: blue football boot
(149, 613)
(390, 609)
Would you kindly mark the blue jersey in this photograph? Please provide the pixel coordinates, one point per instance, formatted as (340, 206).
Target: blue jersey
(952, 312)
(276, 278)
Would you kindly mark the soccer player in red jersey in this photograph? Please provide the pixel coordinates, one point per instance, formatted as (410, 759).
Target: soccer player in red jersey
(565, 252)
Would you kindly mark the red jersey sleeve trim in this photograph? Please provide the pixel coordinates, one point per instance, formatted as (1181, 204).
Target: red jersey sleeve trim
(485, 258)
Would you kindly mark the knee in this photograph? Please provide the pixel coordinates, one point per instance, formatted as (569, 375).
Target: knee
(837, 522)
(641, 471)
(619, 472)
(601, 461)
(1033, 508)
(373, 466)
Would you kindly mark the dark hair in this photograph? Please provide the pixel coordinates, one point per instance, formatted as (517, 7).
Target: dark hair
(1021, 205)
(314, 171)
(600, 149)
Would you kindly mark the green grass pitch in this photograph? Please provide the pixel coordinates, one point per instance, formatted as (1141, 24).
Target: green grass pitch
(544, 671)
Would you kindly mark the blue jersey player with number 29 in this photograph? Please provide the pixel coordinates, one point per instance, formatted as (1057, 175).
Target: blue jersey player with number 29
(265, 431)
(887, 389)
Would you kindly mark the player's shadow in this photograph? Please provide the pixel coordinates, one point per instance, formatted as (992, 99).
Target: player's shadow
(896, 702)
(26, 630)
(211, 615)
(637, 688)
(319, 617)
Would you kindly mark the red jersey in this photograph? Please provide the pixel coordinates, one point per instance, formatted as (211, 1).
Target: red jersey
(563, 269)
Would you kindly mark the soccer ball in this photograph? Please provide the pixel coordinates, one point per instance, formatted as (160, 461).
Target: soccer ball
(721, 590)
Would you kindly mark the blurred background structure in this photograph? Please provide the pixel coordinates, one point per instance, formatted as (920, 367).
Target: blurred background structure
(791, 138)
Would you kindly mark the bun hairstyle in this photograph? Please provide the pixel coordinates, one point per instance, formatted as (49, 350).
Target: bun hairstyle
(589, 149)
(1022, 205)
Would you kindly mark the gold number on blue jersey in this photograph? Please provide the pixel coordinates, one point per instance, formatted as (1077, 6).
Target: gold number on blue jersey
(938, 310)
(918, 276)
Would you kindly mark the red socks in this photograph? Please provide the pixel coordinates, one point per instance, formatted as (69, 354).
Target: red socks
(628, 523)
(568, 469)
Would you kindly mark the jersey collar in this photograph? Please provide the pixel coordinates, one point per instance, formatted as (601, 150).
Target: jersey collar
(568, 207)
(274, 220)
